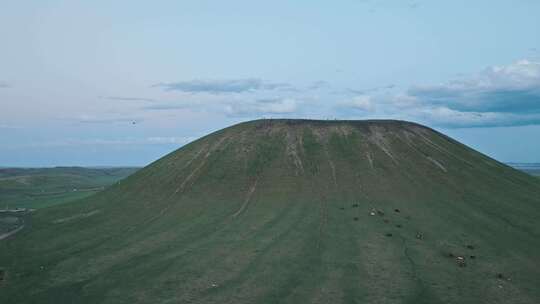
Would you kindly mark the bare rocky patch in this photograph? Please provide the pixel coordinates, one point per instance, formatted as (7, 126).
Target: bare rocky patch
(293, 141)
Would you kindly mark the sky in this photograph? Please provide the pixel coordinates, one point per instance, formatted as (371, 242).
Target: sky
(118, 83)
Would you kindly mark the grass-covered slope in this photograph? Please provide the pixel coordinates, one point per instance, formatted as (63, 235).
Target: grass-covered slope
(292, 211)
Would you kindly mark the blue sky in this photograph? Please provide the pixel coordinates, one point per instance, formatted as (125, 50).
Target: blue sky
(125, 82)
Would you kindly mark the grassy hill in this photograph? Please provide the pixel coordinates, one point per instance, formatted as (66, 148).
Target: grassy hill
(43, 187)
(292, 211)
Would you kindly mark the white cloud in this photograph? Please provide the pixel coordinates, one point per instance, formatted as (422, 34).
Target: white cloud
(241, 105)
(75, 142)
(220, 86)
(519, 75)
(105, 119)
(498, 96)
(124, 98)
(446, 117)
(170, 140)
(512, 88)
(361, 102)
(260, 107)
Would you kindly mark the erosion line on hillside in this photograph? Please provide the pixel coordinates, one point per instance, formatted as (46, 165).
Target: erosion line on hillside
(381, 145)
(323, 218)
(191, 174)
(203, 162)
(192, 171)
(292, 151)
(76, 216)
(8, 234)
(324, 202)
(441, 149)
(378, 140)
(409, 143)
(265, 249)
(370, 159)
(332, 166)
(431, 159)
(437, 163)
(193, 158)
(413, 267)
(161, 213)
(187, 179)
(387, 152)
(410, 176)
(247, 199)
(176, 173)
(297, 162)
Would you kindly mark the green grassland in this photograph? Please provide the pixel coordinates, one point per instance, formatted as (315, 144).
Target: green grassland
(291, 211)
(42, 187)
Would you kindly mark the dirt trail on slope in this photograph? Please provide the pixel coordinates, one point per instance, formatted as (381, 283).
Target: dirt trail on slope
(378, 139)
(191, 175)
(76, 216)
(8, 234)
(323, 213)
(203, 162)
(332, 166)
(420, 283)
(437, 163)
(292, 151)
(440, 148)
(409, 142)
(370, 159)
(247, 200)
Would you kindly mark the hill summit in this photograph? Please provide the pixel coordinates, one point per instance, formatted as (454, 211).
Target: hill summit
(292, 211)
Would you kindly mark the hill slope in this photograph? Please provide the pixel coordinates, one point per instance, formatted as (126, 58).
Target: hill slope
(292, 211)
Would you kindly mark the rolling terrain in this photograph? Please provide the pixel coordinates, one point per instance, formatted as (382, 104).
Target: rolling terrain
(43, 187)
(36, 188)
(292, 211)
(531, 168)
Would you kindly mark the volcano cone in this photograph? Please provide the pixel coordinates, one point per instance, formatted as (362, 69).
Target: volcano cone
(292, 211)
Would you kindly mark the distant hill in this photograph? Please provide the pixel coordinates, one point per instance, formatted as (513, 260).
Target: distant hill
(531, 168)
(292, 211)
(43, 187)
